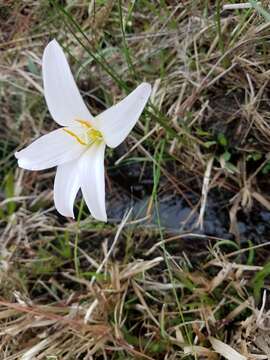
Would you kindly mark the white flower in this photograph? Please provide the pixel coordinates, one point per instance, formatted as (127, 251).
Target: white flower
(77, 148)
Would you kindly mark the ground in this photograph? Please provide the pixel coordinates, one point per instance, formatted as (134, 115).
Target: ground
(180, 270)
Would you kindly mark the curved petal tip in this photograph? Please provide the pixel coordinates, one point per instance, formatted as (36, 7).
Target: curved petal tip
(66, 187)
(101, 218)
(52, 43)
(147, 88)
(16, 154)
(68, 215)
(60, 90)
(116, 122)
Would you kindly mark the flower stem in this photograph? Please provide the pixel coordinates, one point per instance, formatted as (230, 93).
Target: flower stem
(76, 258)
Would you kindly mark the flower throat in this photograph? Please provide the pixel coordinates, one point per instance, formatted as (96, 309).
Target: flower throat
(88, 136)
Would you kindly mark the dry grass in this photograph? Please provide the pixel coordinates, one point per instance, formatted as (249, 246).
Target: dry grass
(129, 311)
(133, 289)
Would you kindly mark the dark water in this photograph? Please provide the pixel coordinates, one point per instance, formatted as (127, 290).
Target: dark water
(176, 216)
(132, 187)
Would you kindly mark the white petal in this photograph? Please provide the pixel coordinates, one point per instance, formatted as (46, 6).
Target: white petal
(66, 187)
(92, 180)
(62, 95)
(50, 150)
(116, 122)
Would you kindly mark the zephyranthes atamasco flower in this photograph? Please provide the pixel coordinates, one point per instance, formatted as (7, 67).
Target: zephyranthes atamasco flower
(78, 147)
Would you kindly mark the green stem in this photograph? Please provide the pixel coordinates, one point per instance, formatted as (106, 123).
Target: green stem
(155, 198)
(76, 257)
(125, 47)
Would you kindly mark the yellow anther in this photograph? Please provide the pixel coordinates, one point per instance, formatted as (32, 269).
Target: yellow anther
(75, 136)
(94, 134)
(84, 123)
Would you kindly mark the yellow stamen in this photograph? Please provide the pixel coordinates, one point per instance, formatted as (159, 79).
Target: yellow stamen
(84, 123)
(75, 136)
(94, 134)
(91, 133)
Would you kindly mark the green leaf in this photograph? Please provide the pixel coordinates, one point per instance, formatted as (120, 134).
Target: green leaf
(266, 168)
(9, 192)
(222, 139)
(258, 281)
(226, 156)
(32, 67)
(232, 168)
(255, 156)
(251, 253)
(208, 144)
(62, 246)
(201, 132)
(225, 242)
(260, 9)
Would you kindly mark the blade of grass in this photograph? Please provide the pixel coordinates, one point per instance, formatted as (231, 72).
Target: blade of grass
(260, 9)
(156, 177)
(76, 257)
(105, 66)
(125, 46)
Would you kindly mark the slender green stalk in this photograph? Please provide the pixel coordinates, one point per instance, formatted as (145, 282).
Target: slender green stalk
(76, 257)
(105, 66)
(159, 156)
(218, 25)
(125, 45)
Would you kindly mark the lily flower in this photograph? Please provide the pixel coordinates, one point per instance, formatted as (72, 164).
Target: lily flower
(78, 147)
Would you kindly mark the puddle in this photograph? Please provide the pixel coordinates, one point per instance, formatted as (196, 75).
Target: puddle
(177, 217)
(132, 189)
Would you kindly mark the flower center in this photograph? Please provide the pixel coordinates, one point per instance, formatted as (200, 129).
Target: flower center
(86, 134)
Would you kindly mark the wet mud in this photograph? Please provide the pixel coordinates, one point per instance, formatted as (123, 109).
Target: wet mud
(175, 216)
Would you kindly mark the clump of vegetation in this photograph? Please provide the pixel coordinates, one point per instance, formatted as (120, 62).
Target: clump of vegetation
(183, 274)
